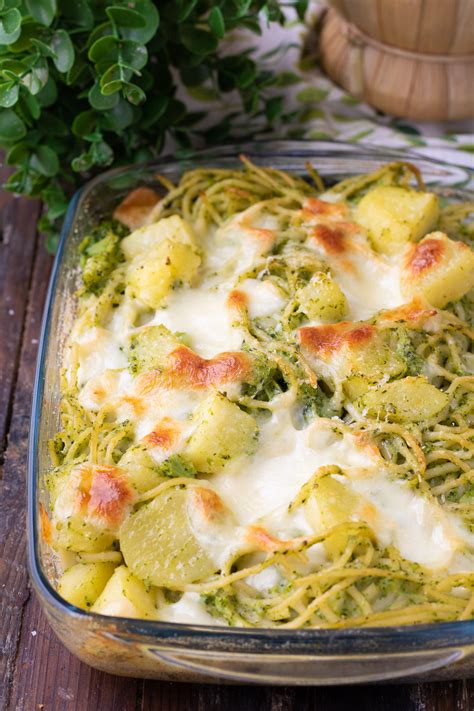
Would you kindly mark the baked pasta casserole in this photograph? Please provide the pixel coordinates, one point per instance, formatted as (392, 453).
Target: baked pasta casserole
(267, 405)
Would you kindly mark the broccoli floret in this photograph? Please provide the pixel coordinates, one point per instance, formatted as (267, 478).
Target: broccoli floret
(101, 253)
(177, 466)
(266, 380)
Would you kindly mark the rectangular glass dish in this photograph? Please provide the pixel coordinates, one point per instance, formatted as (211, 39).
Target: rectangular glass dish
(180, 652)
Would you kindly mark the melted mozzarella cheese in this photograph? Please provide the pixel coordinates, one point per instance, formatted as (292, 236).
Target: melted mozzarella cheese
(372, 284)
(409, 520)
(201, 314)
(188, 610)
(286, 458)
(264, 298)
(97, 350)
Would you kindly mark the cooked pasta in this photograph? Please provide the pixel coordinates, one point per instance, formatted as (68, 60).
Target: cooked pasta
(268, 405)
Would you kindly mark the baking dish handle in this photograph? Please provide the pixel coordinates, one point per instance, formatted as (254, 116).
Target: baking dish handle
(306, 669)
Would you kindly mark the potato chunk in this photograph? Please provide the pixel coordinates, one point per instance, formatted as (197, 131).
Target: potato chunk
(223, 431)
(322, 299)
(411, 399)
(330, 504)
(82, 584)
(150, 347)
(346, 349)
(159, 544)
(141, 470)
(89, 502)
(438, 269)
(125, 596)
(395, 215)
(141, 241)
(151, 277)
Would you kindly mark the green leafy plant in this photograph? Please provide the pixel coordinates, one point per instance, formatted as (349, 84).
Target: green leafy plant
(86, 84)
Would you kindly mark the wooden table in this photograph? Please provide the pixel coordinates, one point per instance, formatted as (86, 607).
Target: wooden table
(36, 671)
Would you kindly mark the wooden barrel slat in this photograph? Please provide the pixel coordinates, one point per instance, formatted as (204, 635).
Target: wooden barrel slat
(430, 26)
(410, 86)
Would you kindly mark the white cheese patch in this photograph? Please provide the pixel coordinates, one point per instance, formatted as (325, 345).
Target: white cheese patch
(409, 520)
(202, 314)
(97, 350)
(372, 285)
(264, 297)
(285, 460)
(188, 610)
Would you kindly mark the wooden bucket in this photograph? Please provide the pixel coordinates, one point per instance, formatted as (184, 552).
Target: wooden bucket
(431, 26)
(396, 81)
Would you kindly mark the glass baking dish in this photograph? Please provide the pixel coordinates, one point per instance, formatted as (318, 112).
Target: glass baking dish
(202, 653)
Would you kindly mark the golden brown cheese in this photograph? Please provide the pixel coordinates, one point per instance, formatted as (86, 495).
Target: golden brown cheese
(416, 313)
(136, 207)
(165, 435)
(258, 538)
(313, 207)
(186, 369)
(103, 494)
(323, 341)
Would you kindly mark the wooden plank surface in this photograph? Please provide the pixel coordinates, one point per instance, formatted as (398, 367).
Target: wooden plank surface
(36, 672)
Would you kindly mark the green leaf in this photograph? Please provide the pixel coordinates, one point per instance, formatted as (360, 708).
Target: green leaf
(77, 12)
(18, 153)
(12, 127)
(12, 68)
(43, 11)
(43, 48)
(31, 104)
(77, 72)
(48, 94)
(216, 22)
(144, 34)
(45, 161)
(125, 17)
(99, 101)
(64, 51)
(184, 9)
(8, 94)
(134, 94)
(312, 94)
(102, 153)
(104, 49)
(35, 80)
(198, 41)
(84, 123)
(121, 116)
(133, 54)
(10, 26)
(82, 163)
(154, 109)
(114, 78)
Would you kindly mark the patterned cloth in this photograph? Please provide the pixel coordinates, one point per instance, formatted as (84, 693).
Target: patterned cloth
(315, 108)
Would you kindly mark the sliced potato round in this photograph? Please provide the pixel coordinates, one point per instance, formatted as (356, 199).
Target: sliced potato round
(159, 545)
